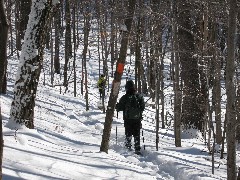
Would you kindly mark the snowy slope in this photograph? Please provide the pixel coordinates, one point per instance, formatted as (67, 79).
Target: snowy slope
(66, 141)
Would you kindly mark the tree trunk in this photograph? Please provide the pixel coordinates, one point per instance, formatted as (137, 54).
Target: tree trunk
(117, 78)
(57, 25)
(238, 178)
(86, 35)
(68, 46)
(217, 95)
(191, 114)
(138, 58)
(31, 60)
(3, 48)
(25, 8)
(238, 93)
(157, 104)
(113, 37)
(3, 61)
(238, 114)
(1, 144)
(74, 50)
(9, 12)
(230, 91)
(17, 26)
(177, 91)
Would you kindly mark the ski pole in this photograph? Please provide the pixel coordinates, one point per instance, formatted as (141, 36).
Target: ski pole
(143, 140)
(148, 99)
(116, 134)
(116, 129)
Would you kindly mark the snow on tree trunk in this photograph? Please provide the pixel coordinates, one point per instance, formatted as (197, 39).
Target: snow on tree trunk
(30, 64)
(117, 78)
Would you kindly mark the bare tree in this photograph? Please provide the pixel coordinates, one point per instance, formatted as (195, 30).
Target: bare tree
(17, 27)
(177, 91)
(74, 49)
(87, 25)
(230, 90)
(57, 25)
(3, 61)
(191, 114)
(1, 144)
(113, 35)
(68, 46)
(117, 78)
(238, 91)
(25, 8)
(9, 14)
(3, 48)
(22, 108)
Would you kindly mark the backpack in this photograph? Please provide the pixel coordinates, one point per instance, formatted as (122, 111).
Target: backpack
(132, 108)
(101, 83)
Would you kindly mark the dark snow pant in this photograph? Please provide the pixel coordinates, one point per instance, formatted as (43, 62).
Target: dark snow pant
(132, 128)
(101, 92)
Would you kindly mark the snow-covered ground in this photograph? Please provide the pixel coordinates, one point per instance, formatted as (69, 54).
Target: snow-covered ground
(65, 143)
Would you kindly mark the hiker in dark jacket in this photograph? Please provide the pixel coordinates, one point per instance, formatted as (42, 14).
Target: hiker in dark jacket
(132, 117)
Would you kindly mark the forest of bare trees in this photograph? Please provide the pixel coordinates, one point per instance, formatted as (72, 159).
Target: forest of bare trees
(201, 38)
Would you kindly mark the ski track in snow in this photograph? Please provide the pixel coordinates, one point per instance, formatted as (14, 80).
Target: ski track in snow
(65, 113)
(72, 115)
(65, 148)
(144, 162)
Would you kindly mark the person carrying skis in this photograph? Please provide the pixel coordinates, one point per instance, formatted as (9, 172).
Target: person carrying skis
(101, 85)
(132, 104)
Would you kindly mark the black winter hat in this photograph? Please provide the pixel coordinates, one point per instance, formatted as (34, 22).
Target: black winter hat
(129, 84)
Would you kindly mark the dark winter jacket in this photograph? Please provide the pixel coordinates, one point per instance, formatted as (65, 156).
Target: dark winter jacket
(122, 102)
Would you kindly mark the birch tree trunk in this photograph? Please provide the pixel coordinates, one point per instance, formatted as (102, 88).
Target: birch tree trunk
(117, 78)
(230, 91)
(22, 108)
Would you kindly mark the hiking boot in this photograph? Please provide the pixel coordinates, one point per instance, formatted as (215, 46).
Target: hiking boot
(138, 153)
(129, 148)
